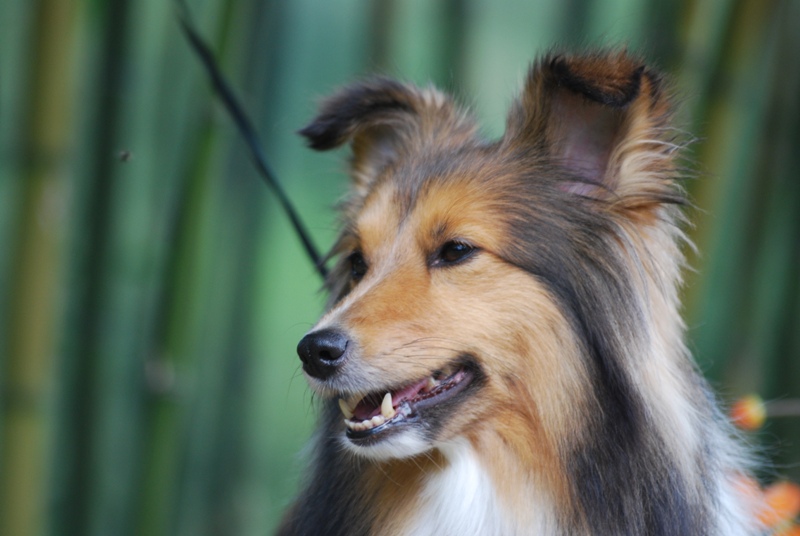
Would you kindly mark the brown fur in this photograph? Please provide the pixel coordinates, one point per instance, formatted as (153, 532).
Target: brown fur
(585, 414)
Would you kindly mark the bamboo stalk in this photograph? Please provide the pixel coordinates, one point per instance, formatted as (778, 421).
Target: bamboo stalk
(778, 308)
(184, 339)
(212, 455)
(95, 229)
(739, 69)
(166, 412)
(34, 298)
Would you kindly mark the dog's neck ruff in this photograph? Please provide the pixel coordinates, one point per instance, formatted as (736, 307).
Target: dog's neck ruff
(464, 499)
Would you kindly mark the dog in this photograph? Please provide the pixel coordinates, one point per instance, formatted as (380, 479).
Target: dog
(503, 352)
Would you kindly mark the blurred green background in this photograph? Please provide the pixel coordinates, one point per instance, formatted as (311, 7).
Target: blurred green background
(152, 293)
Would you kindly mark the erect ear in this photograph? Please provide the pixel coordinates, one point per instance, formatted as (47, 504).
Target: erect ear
(602, 118)
(384, 120)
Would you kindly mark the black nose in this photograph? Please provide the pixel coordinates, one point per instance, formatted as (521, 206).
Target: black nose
(322, 352)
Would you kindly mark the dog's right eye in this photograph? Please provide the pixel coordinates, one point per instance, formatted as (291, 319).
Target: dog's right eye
(358, 266)
(453, 252)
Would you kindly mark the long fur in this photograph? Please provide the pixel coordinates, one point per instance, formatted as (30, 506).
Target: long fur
(584, 413)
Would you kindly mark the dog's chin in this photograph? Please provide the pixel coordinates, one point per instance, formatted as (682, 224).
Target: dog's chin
(403, 444)
(406, 420)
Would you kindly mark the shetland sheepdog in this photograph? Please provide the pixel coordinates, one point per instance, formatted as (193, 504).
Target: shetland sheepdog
(503, 351)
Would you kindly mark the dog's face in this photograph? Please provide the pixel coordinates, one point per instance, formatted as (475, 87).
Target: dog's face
(460, 259)
(433, 324)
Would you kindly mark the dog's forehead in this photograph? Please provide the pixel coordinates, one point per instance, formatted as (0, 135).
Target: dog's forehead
(433, 201)
(380, 215)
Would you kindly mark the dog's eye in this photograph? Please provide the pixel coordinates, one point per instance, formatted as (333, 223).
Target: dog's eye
(358, 266)
(453, 252)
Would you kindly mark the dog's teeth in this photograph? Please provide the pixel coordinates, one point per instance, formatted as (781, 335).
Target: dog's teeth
(386, 407)
(347, 410)
(378, 420)
(432, 384)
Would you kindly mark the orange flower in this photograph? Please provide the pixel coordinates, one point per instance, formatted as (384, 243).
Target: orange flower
(781, 504)
(749, 412)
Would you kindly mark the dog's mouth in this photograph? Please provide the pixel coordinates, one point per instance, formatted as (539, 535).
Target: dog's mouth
(370, 418)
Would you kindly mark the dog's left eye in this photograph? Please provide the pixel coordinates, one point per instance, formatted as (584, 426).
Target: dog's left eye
(453, 252)
(358, 266)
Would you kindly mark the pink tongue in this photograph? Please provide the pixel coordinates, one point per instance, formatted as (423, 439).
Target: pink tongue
(371, 404)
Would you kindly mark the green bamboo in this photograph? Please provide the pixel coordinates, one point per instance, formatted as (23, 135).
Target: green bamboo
(425, 42)
(155, 114)
(15, 26)
(171, 372)
(733, 114)
(775, 313)
(79, 451)
(214, 448)
(33, 302)
(773, 269)
(165, 371)
(379, 27)
(504, 39)
(193, 308)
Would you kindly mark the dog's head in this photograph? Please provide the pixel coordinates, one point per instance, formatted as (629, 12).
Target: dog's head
(482, 281)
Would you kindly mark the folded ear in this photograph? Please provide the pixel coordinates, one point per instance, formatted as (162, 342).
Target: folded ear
(602, 118)
(384, 120)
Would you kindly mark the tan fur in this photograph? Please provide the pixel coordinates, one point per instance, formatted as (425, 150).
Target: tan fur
(567, 311)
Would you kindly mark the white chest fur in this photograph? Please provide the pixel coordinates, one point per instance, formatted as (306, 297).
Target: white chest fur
(462, 499)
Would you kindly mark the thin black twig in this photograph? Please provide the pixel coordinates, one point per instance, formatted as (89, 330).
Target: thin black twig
(226, 95)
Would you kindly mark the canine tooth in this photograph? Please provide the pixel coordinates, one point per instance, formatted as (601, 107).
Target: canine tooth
(386, 406)
(347, 410)
(432, 384)
(378, 420)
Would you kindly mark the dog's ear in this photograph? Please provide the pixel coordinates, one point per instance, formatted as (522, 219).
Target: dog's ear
(602, 118)
(384, 120)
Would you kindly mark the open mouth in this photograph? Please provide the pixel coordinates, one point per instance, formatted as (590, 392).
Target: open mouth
(369, 417)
